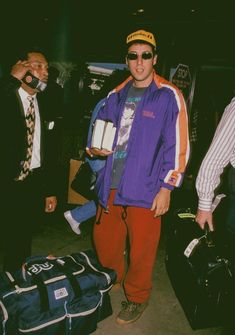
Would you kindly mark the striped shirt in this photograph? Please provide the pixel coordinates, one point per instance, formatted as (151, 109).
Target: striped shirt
(221, 152)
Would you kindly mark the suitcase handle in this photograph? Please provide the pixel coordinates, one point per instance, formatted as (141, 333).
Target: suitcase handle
(61, 265)
(209, 236)
(42, 288)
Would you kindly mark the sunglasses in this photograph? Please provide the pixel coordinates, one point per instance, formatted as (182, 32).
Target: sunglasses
(133, 55)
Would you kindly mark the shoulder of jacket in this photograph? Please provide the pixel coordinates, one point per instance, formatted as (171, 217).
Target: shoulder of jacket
(162, 82)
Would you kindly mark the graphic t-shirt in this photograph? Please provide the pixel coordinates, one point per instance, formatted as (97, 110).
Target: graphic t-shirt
(119, 156)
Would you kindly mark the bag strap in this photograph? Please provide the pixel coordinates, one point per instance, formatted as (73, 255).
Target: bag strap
(42, 287)
(210, 241)
(83, 156)
(71, 278)
(92, 265)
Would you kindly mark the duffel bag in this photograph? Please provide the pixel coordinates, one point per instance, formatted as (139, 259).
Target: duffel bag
(201, 273)
(62, 295)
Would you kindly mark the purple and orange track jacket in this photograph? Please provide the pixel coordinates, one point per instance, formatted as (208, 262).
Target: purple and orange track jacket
(158, 146)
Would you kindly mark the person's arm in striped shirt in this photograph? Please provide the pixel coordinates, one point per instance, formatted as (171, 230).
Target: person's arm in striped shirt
(219, 155)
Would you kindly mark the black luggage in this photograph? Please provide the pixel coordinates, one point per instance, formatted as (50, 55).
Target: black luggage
(201, 273)
(65, 295)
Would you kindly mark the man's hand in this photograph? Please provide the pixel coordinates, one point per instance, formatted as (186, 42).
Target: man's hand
(203, 217)
(161, 202)
(98, 152)
(20, 68)
(50, 205)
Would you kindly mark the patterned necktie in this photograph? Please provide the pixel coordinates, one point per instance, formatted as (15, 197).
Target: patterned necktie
(30, 123)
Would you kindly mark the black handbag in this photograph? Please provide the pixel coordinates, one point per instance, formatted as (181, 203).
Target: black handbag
(84, 181)
(201, 273)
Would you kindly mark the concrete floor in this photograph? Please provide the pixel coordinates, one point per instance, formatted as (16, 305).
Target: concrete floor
(164, 315)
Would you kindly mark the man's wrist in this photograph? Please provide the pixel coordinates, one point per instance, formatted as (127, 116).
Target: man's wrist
(167, 186)
(205, 205)
(167, 190)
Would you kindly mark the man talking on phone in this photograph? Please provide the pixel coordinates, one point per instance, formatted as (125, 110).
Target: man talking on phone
(27, 163)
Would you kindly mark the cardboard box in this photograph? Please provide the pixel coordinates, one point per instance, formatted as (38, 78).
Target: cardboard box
(74, 198)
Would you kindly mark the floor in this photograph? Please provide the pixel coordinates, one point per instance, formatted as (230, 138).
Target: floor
(164, 315)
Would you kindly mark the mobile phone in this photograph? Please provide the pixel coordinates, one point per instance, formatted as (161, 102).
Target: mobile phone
(33, 82)
(30, 80)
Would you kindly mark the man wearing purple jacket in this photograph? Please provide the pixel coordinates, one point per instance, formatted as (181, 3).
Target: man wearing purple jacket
(149, 156)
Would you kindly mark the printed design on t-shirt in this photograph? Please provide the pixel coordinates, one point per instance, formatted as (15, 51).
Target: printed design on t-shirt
(126, 122)
(125, 126)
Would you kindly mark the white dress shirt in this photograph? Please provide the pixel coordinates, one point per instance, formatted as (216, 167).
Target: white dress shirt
(36, 159)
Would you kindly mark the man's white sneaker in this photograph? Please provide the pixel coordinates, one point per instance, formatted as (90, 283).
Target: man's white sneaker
(73, 223)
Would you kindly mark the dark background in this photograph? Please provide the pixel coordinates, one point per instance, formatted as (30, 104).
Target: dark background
(96, 30)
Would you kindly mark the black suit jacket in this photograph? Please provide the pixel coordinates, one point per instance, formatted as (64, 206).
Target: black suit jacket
(13, 137)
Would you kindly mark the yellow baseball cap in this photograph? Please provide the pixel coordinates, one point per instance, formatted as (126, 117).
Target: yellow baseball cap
(141, 35)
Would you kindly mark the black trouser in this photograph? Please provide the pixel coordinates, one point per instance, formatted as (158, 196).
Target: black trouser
(21, 209)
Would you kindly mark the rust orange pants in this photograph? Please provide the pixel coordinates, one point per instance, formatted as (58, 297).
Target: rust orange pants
(142, 231)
